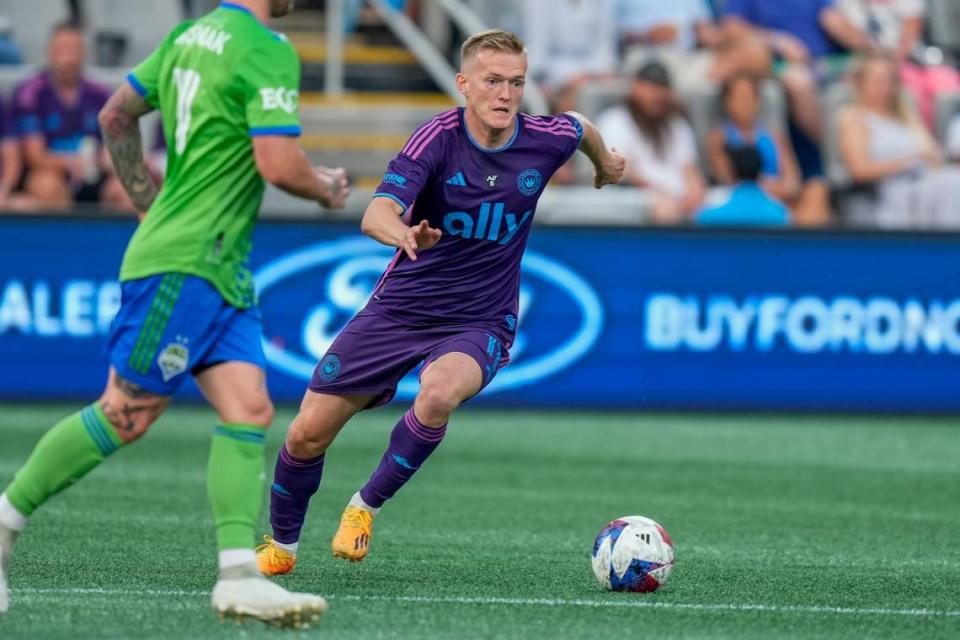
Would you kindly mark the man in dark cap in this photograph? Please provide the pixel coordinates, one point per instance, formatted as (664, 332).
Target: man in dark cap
(649, 128)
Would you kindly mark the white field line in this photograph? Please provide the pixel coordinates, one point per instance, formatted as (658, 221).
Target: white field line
(536, 602)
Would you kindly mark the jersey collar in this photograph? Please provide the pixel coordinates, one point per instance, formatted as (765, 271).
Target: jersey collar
(237, 7)
(503, 147)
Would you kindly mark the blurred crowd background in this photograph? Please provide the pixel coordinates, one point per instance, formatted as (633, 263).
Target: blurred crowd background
(808, 113)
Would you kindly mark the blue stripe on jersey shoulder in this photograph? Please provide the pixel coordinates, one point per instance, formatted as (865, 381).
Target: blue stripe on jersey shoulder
(577, 126)
(276, 131)
(235, 7)
(381, 194)
(137, 85)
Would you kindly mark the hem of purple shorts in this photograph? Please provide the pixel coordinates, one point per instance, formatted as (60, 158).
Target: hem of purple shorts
(379, 396)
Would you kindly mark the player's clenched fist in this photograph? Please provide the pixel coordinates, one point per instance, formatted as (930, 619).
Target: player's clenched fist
(420, 237)
(610, 169)
(337, 187)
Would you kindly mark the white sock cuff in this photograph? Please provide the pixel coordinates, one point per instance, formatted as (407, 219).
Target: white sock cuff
(357, 501)
(237, 557)
(289, 547)
(9, 516)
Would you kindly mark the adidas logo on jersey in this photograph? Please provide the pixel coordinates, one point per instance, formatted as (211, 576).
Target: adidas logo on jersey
(457, 180)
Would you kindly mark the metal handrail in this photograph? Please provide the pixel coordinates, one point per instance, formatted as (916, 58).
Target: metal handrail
(414, 39)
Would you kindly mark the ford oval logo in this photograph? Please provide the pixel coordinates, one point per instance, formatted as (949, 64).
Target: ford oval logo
(318, 288)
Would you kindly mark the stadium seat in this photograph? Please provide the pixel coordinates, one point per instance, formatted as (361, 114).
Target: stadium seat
(948, 105)
(942, 20)
(126, 32)
(832, 100)
(32, 22)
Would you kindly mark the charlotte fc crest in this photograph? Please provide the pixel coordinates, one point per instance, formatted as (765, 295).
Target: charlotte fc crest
(174, 359)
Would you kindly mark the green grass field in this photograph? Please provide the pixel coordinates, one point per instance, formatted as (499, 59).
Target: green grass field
(785, 527)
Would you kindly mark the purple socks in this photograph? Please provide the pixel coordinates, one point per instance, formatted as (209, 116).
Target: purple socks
(411, 443)
(295, 480)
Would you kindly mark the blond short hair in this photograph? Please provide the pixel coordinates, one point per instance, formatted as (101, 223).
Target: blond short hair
(493, 39)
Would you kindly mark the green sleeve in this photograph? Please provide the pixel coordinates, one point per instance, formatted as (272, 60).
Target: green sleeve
(145, 77)
(271, 78)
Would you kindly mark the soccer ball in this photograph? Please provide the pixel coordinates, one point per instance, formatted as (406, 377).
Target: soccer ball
(633, 553)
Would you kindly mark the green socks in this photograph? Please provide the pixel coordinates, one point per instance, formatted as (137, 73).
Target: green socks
(69, 450)
(81, 441)
(235, 483)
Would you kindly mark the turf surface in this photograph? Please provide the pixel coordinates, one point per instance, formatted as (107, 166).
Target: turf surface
(786, 527)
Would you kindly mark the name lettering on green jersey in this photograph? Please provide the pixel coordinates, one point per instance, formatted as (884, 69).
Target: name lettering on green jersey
(279, 98)
(201, 35)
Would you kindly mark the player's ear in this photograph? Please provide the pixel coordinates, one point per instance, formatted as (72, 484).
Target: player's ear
(462, 83)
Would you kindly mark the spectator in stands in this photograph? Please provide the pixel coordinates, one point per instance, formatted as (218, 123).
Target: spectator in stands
(684, 35)
(779, 176)
(892, 157)
(659, 144)
(568, 42)
(807, 38)
(56, 119)
(895, 27)
(748, 203)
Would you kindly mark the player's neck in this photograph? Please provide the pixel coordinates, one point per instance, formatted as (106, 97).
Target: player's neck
(259, 8)
(485, 136)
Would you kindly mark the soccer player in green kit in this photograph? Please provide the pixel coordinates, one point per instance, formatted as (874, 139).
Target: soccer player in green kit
(227, 90)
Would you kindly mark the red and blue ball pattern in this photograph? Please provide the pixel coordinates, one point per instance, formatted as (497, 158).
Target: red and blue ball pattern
(633, 554)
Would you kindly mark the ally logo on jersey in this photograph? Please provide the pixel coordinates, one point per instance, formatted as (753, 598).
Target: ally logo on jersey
(308, 295)
(491, 223)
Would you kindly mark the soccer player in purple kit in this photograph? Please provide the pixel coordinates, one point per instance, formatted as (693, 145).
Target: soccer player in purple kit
(469, 180)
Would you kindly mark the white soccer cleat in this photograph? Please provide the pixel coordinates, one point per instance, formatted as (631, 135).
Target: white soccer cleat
(260, 599)
(6, 544)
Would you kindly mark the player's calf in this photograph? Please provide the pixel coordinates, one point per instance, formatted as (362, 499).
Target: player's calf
(11, 523)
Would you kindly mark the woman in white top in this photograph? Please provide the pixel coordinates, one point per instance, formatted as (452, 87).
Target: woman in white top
(886, 149)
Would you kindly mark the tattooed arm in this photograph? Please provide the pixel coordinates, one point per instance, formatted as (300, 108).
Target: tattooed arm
(120, 125)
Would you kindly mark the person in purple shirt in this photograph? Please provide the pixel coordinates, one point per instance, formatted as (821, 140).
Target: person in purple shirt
(55, 115)
(468, 180)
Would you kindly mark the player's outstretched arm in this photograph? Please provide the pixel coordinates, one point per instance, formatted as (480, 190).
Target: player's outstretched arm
(283, 164)
(381, 221)
(120, 125)
(608, 164)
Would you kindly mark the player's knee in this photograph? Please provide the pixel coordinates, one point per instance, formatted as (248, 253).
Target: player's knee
(798, 80)
(258, 410)
(436, 401)
(307, 439)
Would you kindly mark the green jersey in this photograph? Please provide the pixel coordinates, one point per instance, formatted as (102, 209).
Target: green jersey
(217, 81)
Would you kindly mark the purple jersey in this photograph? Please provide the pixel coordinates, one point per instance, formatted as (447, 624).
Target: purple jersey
(483, 200)
(39, 110)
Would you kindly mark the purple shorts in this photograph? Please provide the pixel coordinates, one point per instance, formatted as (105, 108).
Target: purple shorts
(372, 353)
